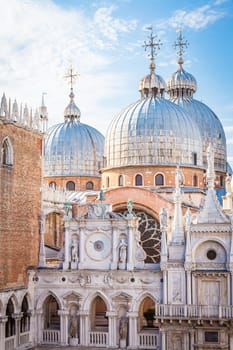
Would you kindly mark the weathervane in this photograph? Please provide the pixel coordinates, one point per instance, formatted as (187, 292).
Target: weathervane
(152, 44)
(181, 44)
(71, 76)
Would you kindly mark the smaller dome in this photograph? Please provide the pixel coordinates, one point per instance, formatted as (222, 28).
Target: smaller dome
(72, 112)
(152, 85)
(181, 84)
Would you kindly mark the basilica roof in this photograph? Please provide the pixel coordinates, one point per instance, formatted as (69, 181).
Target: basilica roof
(153, 130)
(73, 148)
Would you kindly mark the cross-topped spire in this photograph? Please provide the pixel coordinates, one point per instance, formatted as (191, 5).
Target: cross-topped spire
(71, 76)
(181, 44)
(152, 44)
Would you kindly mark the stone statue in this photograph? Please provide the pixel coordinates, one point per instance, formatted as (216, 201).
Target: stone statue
(228, 184)
(123, 328)
(179, 178)
(74, 251)
(73, 326)
(163, 218)
(130, 206)
(122, 251)
(188, 217)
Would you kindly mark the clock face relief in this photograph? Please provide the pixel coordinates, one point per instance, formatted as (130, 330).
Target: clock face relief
(98, 246)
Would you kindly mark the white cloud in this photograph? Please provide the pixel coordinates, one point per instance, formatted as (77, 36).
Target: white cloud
(39, 39)
(195, 19)
(228, 128)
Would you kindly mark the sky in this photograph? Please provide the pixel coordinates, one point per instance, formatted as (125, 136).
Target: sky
(102, 40)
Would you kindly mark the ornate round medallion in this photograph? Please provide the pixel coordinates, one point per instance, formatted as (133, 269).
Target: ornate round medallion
(98, 246)
(211, 254)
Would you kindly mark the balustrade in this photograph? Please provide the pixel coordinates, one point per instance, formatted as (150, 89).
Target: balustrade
(98, 338)
(51, 336)
(194, 311)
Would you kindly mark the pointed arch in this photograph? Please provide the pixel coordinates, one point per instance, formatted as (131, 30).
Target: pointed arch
(42, 298)
(7, 152)
(15, 302)
(10, 328)
(137, 302)
(91, 297)
(50, 313)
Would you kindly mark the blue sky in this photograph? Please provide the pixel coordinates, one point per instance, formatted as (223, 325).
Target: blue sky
(39, 39)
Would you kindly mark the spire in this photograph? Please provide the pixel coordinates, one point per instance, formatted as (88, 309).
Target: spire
(72, 112)
(210, 174)
(178, 230)
(163, 228)
(15, 111)
(43, 115)
(3, 107)
(188, 241)
(212, 211)
(181, 44)
(153, 46)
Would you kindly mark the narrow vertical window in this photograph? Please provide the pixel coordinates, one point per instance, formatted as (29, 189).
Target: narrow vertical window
(138, 180)
(70, 186)
(120, 180)
(195, 180)
(159, 180)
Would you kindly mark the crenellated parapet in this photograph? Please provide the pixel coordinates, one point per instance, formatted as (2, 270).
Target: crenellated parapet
(23, 116)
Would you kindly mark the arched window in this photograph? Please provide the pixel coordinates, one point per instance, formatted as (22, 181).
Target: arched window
(98, 312)
(159, 180)
(51, 317)
(195, 180)
(138, 180)
(7, 152)
(70, 186)
(89, 185)
(10, 323)
(107, 181)
(120, 180)
(25, 320)
(53, 185)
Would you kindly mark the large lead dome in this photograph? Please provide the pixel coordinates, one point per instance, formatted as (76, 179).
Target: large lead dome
(73, 148)
(153, 131)
(181, 87)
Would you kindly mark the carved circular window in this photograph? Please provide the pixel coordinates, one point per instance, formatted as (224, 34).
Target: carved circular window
(150, 235)
(211, 254)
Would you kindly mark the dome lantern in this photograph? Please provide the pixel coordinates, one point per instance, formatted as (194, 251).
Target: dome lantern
(152, 85)
(72, 112)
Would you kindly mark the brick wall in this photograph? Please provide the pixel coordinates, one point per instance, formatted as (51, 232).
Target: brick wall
(20, 203)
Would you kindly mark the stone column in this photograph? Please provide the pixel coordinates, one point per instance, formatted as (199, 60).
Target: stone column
(112, 329)
(81, 245)
(163, 342)
(63, 326)
(3, 321)
(39, 327)
(132, 334)
(67, 246)
(115, 242)
(189, 287)
(17, 318)
(164, 287)
(231, 340)
(32, 326)
(84, 328)
(131, 243)
(192, 340)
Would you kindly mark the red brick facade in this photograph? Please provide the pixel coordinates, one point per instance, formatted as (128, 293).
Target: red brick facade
(20, 204)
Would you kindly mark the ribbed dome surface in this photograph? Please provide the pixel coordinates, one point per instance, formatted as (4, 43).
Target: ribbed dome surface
(210, 128)
(153, 131)
(181, 83)
(73, 149)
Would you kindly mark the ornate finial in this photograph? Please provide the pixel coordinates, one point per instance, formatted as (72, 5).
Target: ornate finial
(153, 46)
(71, 76)
(181, 44)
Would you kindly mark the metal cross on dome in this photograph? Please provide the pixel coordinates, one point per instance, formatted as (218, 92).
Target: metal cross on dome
(180, 43)
(71, 76)
(152, 44)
